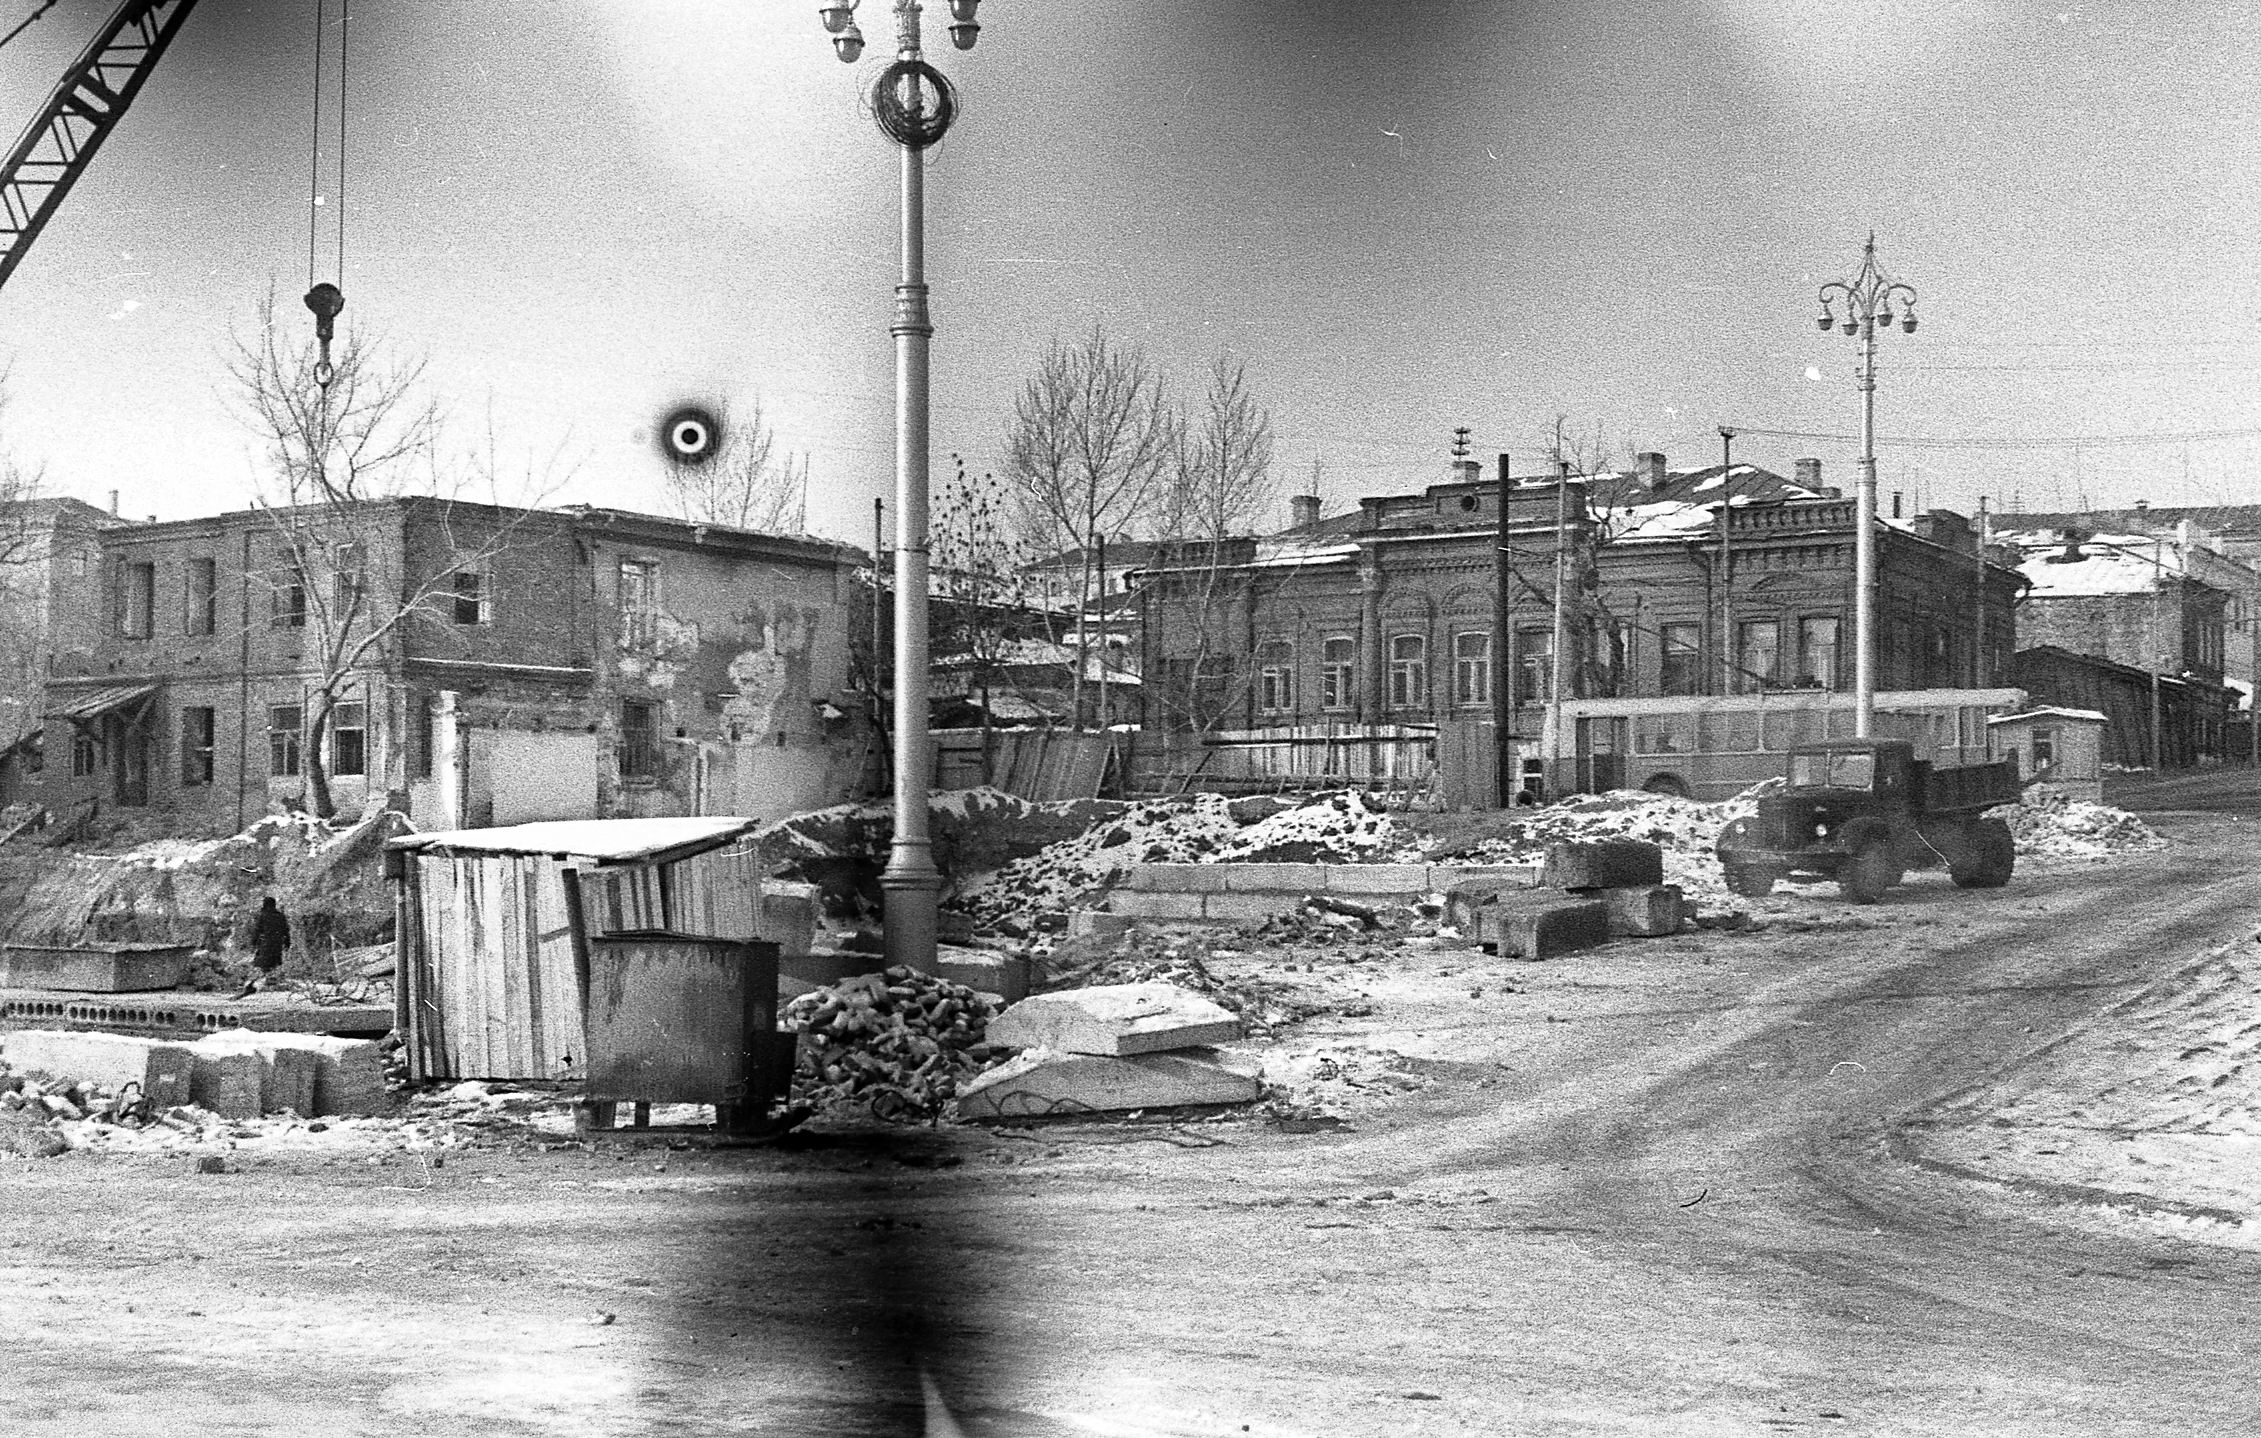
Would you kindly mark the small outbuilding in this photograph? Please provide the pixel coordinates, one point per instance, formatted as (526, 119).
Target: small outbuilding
(2061, 748)
(495, 929)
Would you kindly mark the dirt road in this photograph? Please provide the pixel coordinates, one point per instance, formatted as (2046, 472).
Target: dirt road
(1665, 1188)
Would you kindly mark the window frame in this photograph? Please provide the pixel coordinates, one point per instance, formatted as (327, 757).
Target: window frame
(467, 592)
(1338, 677)
(286, 743)
(1807, 623)
(1680, 658)
(1275, 676)
(638, 752)
(1408, 676)
(337, 729)
(1472, 673)
(200, 601)
(137, 599)
(639, 620)
(199, 744)
(1753, 678)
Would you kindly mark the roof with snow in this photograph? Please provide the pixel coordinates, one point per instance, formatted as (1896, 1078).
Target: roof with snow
(2060, 567)
(2049, 711)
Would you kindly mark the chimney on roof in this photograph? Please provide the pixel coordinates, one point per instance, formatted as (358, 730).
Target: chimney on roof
(1304, 510)
(1809, 475)
(113, 501)
(1466, 470)
(1895, 504)
(2141, 505)
(1648, 468)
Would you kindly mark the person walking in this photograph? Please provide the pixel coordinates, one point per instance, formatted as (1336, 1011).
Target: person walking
(270, 936)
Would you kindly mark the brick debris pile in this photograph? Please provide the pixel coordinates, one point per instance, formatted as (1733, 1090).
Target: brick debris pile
(897, 1044)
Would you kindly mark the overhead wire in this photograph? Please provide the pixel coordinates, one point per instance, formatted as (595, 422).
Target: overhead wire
(21, 25)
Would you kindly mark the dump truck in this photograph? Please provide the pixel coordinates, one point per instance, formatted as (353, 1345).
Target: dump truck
(1866, 811)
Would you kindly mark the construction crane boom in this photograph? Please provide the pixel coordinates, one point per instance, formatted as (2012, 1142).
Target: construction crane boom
(93, 95)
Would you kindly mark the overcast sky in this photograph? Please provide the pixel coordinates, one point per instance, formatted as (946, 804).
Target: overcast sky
(1403, 217)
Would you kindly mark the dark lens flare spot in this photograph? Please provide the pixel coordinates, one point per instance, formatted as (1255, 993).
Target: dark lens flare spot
(690, 434)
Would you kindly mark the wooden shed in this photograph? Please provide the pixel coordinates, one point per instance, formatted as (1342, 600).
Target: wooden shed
(494, 928)
(2062, 748)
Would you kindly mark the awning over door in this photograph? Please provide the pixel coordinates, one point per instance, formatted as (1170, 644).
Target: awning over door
(94, 703)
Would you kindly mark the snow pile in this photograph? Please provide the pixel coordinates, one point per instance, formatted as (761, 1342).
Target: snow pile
(2054, 827)
(1340, 829)
(1679, 826)
(1063, 876)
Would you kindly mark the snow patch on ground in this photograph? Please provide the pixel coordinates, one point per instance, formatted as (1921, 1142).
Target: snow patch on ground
(2050, 826)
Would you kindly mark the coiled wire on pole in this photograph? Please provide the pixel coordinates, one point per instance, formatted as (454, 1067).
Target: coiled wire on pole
(903, 111)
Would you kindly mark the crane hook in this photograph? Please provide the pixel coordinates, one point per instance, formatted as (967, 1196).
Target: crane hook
(325, 300)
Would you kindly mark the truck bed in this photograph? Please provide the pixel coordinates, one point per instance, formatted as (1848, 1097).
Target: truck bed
(1967, 787)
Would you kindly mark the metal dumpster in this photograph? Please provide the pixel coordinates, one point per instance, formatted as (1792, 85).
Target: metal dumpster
(684, 1018)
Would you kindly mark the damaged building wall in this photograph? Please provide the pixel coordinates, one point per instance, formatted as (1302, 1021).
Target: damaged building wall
(725, 689)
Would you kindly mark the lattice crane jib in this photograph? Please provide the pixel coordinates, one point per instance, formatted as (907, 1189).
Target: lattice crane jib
(93, 95)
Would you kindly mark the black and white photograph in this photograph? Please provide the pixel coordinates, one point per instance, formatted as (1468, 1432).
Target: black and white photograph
(963, 719)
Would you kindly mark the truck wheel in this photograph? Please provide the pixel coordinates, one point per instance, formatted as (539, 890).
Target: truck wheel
(1749, 880)
(1868, 874)
(1993, 856)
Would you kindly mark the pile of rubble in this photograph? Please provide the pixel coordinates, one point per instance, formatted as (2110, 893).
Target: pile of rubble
(898, 1043)
(2051, 826)
(1072, 873)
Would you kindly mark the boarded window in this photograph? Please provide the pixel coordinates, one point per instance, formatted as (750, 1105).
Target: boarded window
(639, 740)
(137, 600)
(639, 604)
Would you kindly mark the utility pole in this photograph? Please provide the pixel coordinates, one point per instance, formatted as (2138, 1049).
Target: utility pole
(1100, 544)
(1978, 643)
(1553, 746)
(1726, 565)
(1504, 757)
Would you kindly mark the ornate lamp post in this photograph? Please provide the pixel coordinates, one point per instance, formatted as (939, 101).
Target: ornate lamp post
(1857, 307)
(913, 105)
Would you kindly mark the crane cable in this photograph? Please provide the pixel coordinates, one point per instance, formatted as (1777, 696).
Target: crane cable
(324, 297)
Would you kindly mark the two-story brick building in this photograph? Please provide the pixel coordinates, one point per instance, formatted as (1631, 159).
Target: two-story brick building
(50, 586)
(469, 663)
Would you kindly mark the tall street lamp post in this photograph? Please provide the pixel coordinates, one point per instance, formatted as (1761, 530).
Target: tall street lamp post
(1857, 307)
(913, 105)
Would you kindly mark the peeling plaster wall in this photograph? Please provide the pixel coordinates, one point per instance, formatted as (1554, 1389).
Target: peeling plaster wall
(741, 654)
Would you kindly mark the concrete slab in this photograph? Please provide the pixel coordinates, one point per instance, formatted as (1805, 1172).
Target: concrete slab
(1603, 864)
(1443, 878)
(1645, 911)
(1541, 927)
(1005, 975)
(230, 1082)
(165, 1071)
(1097, 924)
(1245, 908)
(1176, 878)
(1046, 1084)
(1114, 1020)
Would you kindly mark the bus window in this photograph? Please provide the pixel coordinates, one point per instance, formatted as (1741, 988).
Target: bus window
(1840, 723)
(1711, 732)
(1787, 728)
(1742, 731)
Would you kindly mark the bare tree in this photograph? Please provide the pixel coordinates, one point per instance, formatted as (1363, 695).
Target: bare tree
(343, 461)
(1221, 483)
(1093, 434)
(747, 484)
(980, 574)
(24, 548)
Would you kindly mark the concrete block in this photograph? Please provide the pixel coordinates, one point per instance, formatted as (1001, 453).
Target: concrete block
(1444, 878)
(1264, 878)
(1603, 864)
(1465, 901)
(1377, 878)
(1097, 924)
(1005, 975)
(1177, 878)
(1114, 1020)
(1042, 1083)
(285, 1073)
(349, 1074)
(1541, 928)
(1244, 908)
(165, 1071)
(1147, 904)
(1644, 911)
(229, 1082)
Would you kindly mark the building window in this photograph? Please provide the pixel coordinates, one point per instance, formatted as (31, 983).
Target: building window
(1275, 676)
(1534, 661)
(137, 600)
(349, 579)
(639, 741)
(86, 754)
(1472, 667)
(1758, 655)
(1681, 669)
(468, 598)
(1337, 661)
(349, 739)
(1817, 652)
(196, 745)
(287, 605)
(284, 725)
(639, 604)
(1409, 671)
(1939, 659)
(201, 597)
